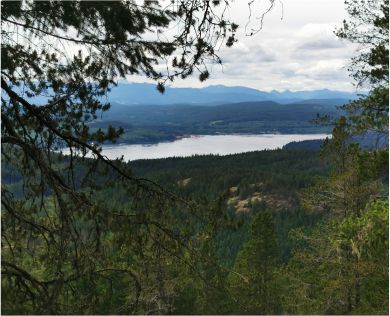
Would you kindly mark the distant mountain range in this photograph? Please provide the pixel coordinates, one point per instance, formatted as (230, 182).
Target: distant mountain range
(147, 94)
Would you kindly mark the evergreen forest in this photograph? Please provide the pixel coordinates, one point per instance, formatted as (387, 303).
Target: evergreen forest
(299, 230)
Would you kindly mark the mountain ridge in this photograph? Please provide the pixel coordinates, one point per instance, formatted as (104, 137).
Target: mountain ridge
(147, 94)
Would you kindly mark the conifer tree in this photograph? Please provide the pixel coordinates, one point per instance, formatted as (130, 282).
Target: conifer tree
(64, 242)
(328, 273)
(252, 280)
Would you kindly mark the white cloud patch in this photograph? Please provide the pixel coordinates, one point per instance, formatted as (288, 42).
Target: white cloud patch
(321, 44)
(324, 70)
(299, 52)
(242, 53)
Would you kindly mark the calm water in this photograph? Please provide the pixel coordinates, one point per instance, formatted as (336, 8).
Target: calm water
(206, 144)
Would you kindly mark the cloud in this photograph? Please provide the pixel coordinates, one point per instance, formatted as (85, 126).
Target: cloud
(324, 70)
(242, 54)
(297, 53)
(321, 44)
(310, 30)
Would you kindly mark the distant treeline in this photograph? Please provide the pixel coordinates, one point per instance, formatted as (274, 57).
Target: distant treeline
(151, 123)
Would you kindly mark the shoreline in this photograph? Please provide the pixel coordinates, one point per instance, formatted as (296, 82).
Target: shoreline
(186, 136)
(195, 145)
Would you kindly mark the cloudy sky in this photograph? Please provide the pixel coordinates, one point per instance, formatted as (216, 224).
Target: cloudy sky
(295, 50)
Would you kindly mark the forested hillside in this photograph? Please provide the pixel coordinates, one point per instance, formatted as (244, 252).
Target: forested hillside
(150, 123)
(291, 231)
(240, 190)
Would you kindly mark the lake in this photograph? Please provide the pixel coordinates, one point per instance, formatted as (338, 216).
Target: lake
(205, 145)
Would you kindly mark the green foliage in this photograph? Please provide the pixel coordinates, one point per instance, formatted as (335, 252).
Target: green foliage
(90, 235)
(355, 176)
(340, 265)
(333, 269)
(195, 278)
(371, 112)
(368, 234)
(252, 281)
(369, 27)
(69, 249)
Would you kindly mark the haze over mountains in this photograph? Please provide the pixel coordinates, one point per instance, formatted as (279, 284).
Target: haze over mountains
(149, 116)
(145, 93)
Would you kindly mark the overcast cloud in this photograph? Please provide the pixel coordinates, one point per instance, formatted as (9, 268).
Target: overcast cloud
(298, 52)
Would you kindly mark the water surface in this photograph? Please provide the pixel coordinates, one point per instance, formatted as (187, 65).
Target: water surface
(206, 144)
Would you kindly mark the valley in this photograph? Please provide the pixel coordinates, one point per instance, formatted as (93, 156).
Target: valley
(147, 124)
